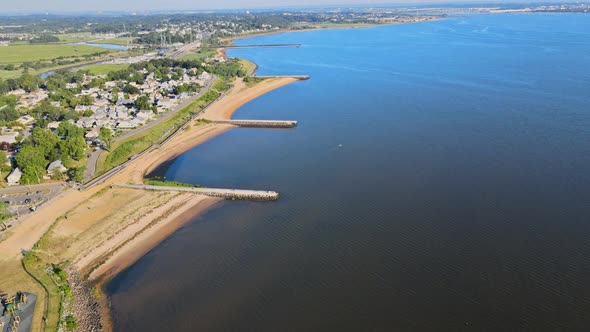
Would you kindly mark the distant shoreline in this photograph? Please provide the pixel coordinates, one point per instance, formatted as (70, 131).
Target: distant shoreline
(336, 27)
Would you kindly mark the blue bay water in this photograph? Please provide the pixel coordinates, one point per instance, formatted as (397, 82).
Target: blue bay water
(459, 199)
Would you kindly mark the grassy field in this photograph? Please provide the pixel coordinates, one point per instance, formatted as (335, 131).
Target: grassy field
(22, 53)
(205, 53)
(104, 68)
(248, 66)
(4, 74)
(115, 41)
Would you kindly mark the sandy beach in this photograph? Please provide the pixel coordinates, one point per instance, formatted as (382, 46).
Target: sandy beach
(103, 230)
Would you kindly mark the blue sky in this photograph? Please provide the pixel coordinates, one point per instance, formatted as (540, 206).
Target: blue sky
(147, 5)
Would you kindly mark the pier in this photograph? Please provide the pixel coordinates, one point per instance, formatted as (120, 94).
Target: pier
(297, 77)
(260, 123)
(237, 194)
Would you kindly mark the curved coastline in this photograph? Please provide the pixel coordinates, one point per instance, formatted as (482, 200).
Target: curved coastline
(101, 231)
(164, 222)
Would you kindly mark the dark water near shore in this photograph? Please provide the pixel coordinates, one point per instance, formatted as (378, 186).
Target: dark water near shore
(460, 199)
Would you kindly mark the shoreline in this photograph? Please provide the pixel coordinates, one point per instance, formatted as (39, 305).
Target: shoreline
(101, 214)
(137, 247)
(78, 222)
(342, 27)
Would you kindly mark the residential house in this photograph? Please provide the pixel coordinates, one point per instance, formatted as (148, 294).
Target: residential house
(85, 122)
(92, 135)
(9, 136)
(129, 124)
(145, 115)
(56, 166)
(13, 179)
(26, 120)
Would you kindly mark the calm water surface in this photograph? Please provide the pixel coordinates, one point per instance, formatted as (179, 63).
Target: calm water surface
(459, 200)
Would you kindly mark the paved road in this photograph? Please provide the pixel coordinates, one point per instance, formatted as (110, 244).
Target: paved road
(184, 49)
(93, 156)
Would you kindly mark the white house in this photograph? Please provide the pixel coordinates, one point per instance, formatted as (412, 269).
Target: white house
(130, 124)
(205, 76)
(9, 137)
(13, 179)
(56, 166)
(26, 120)
(92, 135)
(144, 115)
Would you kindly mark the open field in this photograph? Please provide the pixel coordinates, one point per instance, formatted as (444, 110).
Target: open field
(4, 74)
(249, 67)
(115, 41)
(22, 53)
(205, 53)
(104, 68)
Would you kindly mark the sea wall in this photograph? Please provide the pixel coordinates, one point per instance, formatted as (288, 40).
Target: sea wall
(237, 194)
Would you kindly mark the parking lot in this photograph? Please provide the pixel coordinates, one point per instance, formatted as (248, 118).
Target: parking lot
(26, 199)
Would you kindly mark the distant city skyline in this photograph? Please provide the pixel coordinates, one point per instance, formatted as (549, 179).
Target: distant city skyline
(155, 5)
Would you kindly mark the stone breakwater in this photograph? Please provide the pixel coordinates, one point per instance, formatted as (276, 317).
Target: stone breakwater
(237, 194)
(260, 123)
(85, 307)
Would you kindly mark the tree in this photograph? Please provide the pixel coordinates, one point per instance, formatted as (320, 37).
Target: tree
(8, 114)
(77, 174)
(130, 89)
(4, 215)
(31, 160)
(105, 135)
(4, 164)
(115, 95)
(86, 100)
(73, 147)
(44, 38)
(143, 103)
(57, 174)
(32, 174)
(46, 141)
(66, 129)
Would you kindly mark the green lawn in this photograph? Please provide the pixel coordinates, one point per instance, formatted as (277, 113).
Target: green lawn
(205, 53)
(115, 41)
(248, 66)
(104, 69)
(21, 53)
(5, 74)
